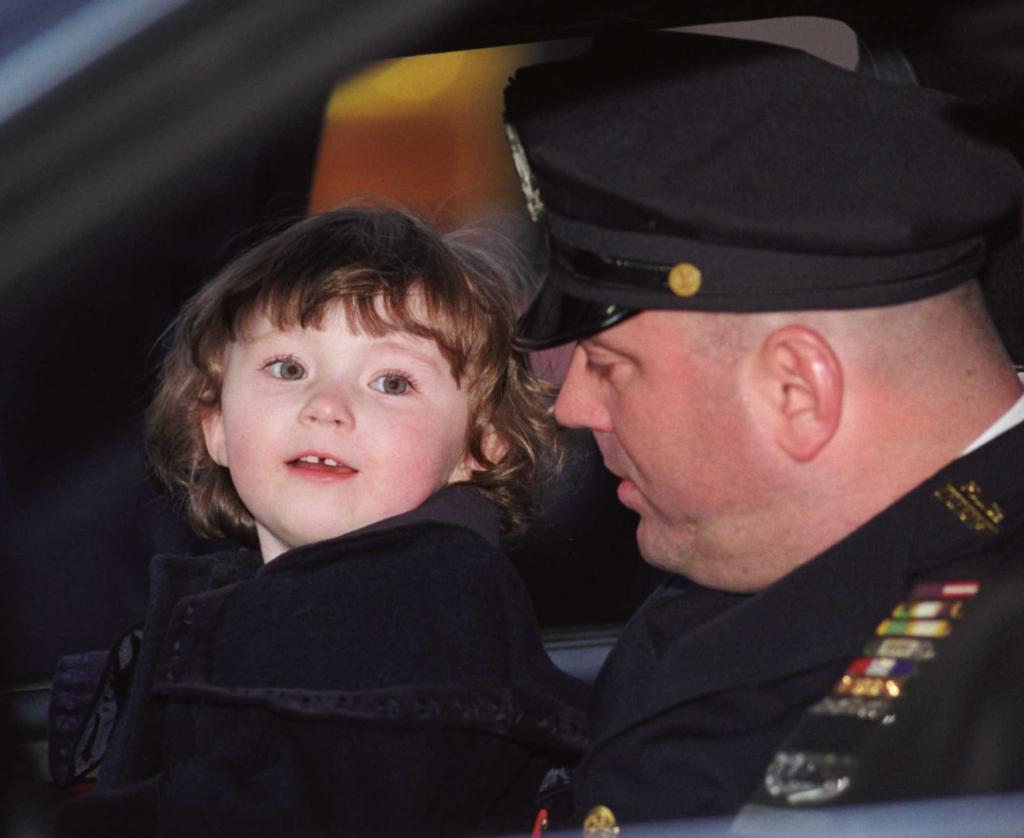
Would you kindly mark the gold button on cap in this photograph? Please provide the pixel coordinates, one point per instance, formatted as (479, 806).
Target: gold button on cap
(684, 279)
(600, 823)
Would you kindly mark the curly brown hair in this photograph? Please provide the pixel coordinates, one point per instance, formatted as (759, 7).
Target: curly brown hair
(391, 272)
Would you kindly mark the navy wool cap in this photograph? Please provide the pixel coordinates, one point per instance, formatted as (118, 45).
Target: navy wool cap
(683, 171)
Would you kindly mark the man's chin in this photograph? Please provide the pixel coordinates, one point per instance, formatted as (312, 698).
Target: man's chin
(677, 552)
(659, 549)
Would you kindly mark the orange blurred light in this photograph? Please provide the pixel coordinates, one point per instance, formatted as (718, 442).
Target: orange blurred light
(424, 133)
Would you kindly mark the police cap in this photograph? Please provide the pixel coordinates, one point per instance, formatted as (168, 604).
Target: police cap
(683, 171)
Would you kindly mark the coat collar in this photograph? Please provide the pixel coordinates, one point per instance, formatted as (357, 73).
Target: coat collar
(462, 506)
(174, 576)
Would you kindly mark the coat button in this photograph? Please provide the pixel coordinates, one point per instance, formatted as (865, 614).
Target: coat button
(600, 822)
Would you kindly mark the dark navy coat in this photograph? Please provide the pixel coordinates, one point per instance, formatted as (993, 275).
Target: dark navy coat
(704, 686)
(388, 682)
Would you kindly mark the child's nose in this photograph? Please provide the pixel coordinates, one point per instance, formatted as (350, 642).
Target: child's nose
(327, 406)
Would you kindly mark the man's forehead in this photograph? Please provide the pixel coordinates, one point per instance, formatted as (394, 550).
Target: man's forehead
(609, 339)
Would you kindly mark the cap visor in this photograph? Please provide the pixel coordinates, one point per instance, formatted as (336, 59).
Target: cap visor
(555, 317)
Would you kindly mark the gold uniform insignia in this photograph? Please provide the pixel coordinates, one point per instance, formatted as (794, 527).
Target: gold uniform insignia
(685, 279)
(600, 822)
(967, 504)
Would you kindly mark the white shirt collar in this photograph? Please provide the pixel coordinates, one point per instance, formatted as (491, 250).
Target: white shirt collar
(1014, 416)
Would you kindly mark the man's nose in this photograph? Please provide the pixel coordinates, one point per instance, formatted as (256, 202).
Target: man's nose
(579, 403)
(327, 405)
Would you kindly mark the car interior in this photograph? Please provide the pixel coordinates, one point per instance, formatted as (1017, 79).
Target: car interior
(142, 148)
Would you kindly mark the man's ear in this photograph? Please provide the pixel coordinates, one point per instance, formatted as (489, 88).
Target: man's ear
(213, 433)
(804, 384)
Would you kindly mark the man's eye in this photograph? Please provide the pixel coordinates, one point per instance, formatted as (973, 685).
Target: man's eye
(287, 369)
(391, 384)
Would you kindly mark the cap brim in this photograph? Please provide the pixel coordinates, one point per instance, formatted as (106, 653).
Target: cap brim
(555, 317)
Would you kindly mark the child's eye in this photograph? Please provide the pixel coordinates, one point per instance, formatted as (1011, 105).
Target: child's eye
(391, 384)
(287, 369)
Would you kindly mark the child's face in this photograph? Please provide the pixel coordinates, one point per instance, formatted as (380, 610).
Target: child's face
(326, 430)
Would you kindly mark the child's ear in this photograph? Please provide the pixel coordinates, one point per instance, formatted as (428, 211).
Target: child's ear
(213, 433)
(494, 448)
(494, 445)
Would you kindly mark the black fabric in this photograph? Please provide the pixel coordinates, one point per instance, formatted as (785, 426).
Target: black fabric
(789, 183)
(88, 694)
(73, 697)
(388, 682)
(704, 685)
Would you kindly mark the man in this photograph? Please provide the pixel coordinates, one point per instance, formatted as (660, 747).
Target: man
(768, 264)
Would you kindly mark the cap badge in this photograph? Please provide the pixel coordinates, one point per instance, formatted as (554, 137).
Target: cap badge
(534, 205)
(600, 822)
(966, 503)
(684, 279)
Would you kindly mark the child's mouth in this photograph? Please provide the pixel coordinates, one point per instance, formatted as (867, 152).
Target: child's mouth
(313, 462)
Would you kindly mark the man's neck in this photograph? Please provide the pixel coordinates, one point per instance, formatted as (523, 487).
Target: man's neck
(879, 457)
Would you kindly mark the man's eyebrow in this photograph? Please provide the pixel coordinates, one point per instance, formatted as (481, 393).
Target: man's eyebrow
(596, 342)
(599, 351)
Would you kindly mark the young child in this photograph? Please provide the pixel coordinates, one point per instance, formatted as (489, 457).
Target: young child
(346, 400)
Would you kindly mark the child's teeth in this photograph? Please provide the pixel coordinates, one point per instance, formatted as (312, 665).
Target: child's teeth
(312, 458)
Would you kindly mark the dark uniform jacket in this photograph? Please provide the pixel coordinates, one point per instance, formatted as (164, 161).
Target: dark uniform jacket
(387, 682)
(704, 686)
